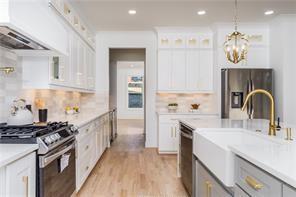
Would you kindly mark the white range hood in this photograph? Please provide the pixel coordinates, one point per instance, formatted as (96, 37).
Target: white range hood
(37, 23)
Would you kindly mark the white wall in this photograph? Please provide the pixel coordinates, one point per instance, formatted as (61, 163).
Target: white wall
(137, 39)
(123, 71)
(282, 58)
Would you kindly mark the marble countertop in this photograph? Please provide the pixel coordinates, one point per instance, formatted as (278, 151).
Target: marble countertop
(12, 152)
(81, 118)
(278, 159)
(186, 113)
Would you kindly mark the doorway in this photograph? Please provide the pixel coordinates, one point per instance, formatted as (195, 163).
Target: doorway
(127, 90)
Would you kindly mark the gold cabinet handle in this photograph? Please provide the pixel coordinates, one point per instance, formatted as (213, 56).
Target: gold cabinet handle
(172, 132)
(209, 188)
(26, 181)
(253, 183)
(175, 131)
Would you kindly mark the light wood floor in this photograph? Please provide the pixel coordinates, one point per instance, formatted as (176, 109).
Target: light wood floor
(128, 169)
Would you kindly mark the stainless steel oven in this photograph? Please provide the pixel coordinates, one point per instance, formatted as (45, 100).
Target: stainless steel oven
(186, 134)
(56, 172)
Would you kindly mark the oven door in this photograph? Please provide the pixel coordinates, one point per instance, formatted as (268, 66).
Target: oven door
(56, 176)
(186, 158)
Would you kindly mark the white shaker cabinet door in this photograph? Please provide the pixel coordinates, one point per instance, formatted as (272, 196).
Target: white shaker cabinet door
(178, 77)
(205, 76)
(192, 70)
(21, 177)
(164, 69)
(167, 139)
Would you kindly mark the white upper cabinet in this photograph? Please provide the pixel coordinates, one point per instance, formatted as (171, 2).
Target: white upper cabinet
(192, 41)
(164, 67)
(205, 74)
(178, 72)
(74, 71)
(185, 62)
(192, 70)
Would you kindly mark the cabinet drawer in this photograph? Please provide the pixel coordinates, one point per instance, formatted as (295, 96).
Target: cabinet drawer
(84, 167)
(85, 145)
(85, 130)
(207, 184)
(255, 181)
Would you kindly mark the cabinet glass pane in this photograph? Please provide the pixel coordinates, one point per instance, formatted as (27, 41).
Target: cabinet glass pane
(56, 69)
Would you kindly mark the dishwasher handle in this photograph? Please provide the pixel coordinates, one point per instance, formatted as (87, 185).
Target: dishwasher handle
(186, 135)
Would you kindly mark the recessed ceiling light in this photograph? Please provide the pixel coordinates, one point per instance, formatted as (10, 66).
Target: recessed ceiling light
(132, 12)
(201, 12)
(269, 12)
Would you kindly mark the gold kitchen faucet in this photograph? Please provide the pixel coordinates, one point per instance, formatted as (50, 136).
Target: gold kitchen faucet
(272, 127)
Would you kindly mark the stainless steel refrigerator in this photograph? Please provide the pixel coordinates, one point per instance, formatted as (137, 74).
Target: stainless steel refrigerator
(236, 84)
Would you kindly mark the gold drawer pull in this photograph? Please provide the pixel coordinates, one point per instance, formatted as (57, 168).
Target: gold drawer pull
(209, 188)
(253, 183)
(26, 181)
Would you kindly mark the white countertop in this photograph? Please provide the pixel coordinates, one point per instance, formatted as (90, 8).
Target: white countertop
(81, 118)
(186, 113)
(12, 152)
(278, 159)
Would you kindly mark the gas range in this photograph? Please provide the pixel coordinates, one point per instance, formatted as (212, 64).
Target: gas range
(47, 136)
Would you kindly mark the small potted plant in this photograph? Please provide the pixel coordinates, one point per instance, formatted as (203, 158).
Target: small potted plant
(172, 107)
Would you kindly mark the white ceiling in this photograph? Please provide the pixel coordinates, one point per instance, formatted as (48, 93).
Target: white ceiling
(113, 14)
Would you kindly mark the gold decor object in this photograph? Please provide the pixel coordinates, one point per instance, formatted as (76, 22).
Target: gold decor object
(236, 44)
(7, 69)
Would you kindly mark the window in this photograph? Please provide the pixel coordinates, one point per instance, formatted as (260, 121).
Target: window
(135, 89)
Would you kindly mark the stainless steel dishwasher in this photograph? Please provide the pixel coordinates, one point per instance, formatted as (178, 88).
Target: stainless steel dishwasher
(186, 135)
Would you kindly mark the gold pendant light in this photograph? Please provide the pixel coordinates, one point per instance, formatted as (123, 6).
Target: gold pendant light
(236, 44)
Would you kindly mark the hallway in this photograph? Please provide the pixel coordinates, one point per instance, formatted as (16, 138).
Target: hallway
(128, 169)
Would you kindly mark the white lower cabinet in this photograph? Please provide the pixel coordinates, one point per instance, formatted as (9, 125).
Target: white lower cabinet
(168, 137)
(168, 131)
(92, 141)
(19, 178)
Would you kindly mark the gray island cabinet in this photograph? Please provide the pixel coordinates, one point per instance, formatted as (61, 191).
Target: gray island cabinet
(250, 181)
(255, 182)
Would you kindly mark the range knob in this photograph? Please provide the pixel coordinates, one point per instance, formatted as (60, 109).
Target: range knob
(48, 140)
(57, 136)
(74, 129)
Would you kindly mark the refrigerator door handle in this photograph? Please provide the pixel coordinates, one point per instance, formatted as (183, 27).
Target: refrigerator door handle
(252, 100)
(250, 103)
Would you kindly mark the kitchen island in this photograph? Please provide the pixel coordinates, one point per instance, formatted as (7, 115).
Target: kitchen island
(242, 158)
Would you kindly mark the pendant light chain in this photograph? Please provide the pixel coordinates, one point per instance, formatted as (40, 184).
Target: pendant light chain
(235, 15)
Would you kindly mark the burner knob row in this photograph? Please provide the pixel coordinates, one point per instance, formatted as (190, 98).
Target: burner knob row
(52, 138)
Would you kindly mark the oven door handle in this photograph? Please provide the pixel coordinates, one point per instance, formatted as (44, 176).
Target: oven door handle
(45, 160)
(186, 135)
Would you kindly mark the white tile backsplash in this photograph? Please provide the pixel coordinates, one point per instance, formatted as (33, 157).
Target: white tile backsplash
(208, 103)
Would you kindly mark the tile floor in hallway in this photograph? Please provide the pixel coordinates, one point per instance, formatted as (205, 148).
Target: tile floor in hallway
(128, 169)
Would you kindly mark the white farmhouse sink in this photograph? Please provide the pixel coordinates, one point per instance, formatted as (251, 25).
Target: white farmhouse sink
(211, 147)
